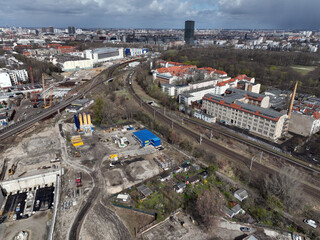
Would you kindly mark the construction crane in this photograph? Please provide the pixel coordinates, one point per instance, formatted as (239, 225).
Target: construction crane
(44, 94)
(34, 96)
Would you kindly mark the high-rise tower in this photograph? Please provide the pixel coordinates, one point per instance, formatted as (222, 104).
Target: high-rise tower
(189, 32)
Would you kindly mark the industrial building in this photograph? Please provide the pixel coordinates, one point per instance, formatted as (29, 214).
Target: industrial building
(305, 117)
(100, 55)
(145, 138)
(72, 63)
(135, 51)
(246, 110)
(5, 81)
(78, 105)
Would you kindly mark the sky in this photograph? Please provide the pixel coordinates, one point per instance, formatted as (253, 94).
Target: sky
(207, 14)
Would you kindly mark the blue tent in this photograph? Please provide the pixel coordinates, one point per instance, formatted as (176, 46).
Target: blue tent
(145, 137)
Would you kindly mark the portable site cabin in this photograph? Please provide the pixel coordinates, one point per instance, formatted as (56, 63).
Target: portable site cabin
(145, 138)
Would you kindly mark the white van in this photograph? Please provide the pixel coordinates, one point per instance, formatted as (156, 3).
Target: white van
(310, 222)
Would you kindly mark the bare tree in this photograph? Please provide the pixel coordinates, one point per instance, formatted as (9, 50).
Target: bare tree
(208, 207)
(286, 186)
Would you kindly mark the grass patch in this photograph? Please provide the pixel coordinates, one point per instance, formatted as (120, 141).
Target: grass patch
(303, 69)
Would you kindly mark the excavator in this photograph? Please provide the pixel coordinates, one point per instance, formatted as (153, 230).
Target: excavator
(12, 170)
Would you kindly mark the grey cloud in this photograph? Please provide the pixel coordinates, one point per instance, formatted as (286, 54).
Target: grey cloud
(162, 13)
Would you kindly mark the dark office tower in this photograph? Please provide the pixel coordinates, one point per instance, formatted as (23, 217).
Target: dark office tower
(71, 30)
(43, 30)
(51, 30)
(189, 32)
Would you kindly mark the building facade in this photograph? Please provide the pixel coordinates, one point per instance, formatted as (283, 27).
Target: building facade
(256, 119)
(189, 32)
(100, 55)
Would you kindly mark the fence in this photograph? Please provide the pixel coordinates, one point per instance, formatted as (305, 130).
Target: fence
(134, 209)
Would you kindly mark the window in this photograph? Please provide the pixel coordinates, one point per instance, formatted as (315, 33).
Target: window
(265, 132)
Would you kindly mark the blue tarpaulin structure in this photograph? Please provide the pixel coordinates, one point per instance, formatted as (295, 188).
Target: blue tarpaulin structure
(145, 137)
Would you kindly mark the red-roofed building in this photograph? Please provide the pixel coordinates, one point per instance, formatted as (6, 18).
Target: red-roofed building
(66, 49)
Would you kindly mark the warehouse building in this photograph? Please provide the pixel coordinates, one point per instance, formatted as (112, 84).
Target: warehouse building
(135, 51)
(5, 81)
(246, 110)
(72, 63)
(100, 55)
(145, 138)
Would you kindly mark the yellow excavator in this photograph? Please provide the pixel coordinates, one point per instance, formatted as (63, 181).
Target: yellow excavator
(12, 170)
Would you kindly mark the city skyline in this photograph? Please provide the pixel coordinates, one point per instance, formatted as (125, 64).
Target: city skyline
(233, 14)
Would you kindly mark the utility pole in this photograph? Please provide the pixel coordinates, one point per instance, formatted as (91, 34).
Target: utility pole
(261, 156)
(171, 123)
(211, 134)
(182, 120)
(252, 159)
(200, 140)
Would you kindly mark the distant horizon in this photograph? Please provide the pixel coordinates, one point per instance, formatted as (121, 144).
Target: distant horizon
(148, 28)
(164, 14)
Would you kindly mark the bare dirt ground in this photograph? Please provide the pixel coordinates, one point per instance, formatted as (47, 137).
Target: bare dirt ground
(123, 177)
(174, 230)
(32, 152)
(36, 226)
(132, 219)
(103, 223)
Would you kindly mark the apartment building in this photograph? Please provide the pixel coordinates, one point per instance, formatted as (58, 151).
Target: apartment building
(244, 112)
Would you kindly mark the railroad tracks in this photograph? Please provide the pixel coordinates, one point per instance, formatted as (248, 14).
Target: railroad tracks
(313, 191)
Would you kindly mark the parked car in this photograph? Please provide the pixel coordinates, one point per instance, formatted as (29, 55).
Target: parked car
(310, 222)
(245, 229)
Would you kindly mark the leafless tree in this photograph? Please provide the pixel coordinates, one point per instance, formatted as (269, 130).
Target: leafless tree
(285, 185)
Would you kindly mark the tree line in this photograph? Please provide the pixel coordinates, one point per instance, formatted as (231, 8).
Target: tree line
(270, 68)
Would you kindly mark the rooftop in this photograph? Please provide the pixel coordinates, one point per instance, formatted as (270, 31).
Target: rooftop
(231, 101)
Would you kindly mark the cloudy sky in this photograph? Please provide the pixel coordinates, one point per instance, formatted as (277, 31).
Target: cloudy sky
(212, 14)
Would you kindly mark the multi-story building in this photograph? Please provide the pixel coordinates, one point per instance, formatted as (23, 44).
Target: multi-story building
(246, 110)
(189, 32)
(305, 117)
(18, 76)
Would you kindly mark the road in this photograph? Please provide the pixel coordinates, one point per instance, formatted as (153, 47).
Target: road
(312, 191)
(95, 194)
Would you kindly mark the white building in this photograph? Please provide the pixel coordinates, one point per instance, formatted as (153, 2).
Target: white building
(100, 55)
(188, 97)
(246, 111)
(18, 76)
(5, 81)
(304, 125)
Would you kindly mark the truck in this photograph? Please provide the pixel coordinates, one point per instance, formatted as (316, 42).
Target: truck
(310, 222)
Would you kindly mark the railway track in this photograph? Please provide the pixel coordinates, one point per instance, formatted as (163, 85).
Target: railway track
(78, 221)
(313, 191)
(24, 124)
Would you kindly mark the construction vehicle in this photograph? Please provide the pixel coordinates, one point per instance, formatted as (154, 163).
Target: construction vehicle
(12, 170)
(77, 154)
(78, 180)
